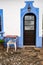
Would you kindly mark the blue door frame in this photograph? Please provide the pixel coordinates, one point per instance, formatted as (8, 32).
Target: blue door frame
(36, 12)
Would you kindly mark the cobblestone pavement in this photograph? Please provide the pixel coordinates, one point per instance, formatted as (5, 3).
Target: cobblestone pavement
(23, 56)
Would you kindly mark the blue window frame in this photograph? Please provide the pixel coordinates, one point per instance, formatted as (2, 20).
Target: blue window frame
(1, 24)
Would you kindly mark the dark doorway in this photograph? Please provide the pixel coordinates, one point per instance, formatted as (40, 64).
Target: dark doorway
(29, 28)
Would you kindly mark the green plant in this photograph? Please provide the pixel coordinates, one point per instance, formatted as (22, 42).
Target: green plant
(1, 41)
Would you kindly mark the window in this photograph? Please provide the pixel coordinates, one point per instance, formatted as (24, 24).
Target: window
(0, 23)
(29, 22)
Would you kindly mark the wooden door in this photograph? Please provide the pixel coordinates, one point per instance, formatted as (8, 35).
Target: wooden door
(29, 29)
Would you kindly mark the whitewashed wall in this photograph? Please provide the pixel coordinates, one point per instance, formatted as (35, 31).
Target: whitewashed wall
(42, 25)
(11, 15)
(39, 3)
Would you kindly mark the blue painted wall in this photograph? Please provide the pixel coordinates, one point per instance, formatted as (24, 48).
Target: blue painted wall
(36, 12)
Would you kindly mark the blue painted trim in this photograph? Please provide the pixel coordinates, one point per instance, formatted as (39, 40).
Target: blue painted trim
(39, 42)
(2, 24)
(36, 12)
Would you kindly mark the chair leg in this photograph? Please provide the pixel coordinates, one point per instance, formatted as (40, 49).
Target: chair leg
(15, 45)
(7, 47)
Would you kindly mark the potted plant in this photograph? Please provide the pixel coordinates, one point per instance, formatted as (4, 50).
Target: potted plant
(1, 43)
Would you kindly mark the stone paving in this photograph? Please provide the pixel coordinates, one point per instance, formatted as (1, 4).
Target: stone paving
(23, 56)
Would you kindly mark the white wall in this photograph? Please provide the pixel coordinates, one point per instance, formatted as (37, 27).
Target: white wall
(42, 25)
(11, 15)
(39, 3)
